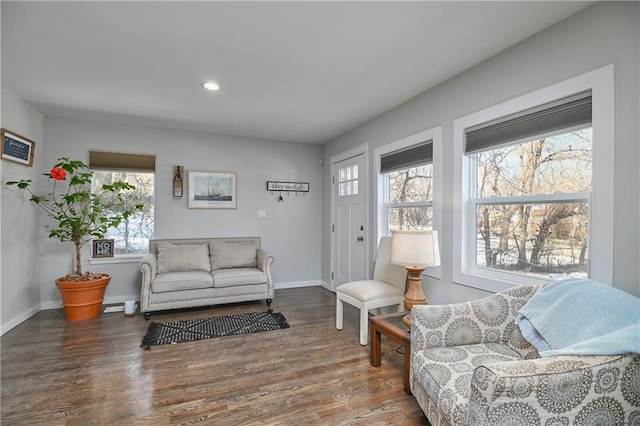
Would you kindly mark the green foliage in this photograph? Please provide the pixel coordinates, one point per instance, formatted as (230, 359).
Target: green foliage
(80, 214)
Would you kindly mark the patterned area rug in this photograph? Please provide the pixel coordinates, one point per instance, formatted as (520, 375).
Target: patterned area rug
(207, 328)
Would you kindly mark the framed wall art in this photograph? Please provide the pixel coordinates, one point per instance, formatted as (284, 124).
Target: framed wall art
(17, 148)
(212, 190)
(103, 248)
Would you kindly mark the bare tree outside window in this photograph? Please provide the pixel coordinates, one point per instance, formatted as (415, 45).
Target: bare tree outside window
(408, 198)
(532, 205)
(133, 234)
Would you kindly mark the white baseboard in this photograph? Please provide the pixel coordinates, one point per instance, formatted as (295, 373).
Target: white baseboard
(120, 299)
(57, 304)
(297, 284)
(9, 325)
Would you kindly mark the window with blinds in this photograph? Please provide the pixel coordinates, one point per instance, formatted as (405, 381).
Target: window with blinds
(408, 187)
(530, 189)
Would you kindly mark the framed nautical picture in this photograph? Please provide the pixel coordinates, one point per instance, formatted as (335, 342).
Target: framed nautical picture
(212, 190)
(17, 148)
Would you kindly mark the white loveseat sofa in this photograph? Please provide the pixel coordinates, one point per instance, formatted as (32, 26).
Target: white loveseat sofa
(184, 273)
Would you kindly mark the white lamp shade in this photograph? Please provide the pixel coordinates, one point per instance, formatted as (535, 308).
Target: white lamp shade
(415, 248)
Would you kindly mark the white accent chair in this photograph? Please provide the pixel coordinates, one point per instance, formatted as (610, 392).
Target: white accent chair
(385, 289)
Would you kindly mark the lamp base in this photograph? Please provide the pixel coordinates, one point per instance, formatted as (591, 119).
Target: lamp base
(414, 294)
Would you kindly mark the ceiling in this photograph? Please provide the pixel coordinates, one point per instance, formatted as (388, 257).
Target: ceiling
(292, 71)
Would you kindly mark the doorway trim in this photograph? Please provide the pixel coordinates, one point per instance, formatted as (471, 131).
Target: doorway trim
(362, 149)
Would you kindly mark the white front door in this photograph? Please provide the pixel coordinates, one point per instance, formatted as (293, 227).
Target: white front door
(349, 249)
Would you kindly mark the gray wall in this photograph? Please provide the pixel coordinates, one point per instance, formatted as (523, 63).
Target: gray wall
(19, 229)
(297, 231)
(291, 230)
(606, 33)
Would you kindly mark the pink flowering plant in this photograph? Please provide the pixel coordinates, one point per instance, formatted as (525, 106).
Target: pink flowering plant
(80, 215)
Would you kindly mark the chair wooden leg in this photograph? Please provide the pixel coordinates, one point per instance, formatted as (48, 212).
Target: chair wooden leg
(339, 308)
(364, 326)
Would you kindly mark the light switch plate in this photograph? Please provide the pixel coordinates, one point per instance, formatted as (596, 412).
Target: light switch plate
(262, 214)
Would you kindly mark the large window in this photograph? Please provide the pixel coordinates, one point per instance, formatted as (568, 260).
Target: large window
(133, 234)
(531, 202)
(528, 181)
(408, 196)
(408, 182)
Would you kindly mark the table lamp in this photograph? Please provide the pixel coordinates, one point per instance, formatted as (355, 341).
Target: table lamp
(415, 250)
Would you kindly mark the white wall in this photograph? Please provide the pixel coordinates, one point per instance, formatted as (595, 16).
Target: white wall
(19, 280)
(606, 33)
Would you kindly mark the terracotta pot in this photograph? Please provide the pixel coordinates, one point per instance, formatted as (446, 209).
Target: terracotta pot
(83, 300)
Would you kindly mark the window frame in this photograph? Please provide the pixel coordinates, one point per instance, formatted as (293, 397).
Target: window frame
(435, 135)
(349, 181)
(601, 83)
(116, 161)
(123, 256)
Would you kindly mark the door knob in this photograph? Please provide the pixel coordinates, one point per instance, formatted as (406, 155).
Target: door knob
(361, 238)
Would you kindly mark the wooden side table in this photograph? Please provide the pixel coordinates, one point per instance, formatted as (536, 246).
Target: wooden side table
(390, 325)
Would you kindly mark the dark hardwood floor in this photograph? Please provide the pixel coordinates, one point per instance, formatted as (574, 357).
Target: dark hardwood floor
(94, 372)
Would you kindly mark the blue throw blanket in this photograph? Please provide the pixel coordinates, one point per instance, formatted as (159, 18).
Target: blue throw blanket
(581, 317)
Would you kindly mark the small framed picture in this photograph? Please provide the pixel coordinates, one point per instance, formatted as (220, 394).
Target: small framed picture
(103, 248)
(17, 148)
(212, 190)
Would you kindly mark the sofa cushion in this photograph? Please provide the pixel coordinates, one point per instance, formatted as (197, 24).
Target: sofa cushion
(233, 254)
(173, 281)
(183, 257)
(238, 276)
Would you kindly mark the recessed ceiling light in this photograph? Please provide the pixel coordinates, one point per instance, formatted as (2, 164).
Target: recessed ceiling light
(210, 85)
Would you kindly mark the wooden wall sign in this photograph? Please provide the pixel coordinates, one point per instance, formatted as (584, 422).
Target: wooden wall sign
(17, 148)
(288, 186)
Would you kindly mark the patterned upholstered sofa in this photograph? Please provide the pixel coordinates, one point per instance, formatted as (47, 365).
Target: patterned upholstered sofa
(185, 273)
(470, 365)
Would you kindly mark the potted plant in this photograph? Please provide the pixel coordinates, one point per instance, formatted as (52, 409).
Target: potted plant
(80, 215)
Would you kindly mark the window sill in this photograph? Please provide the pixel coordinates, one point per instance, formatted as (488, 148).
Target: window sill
(121, 258)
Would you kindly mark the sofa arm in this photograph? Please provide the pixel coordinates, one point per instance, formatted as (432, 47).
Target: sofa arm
(563, 388)
(490, 319)
(264, 261)
(148, 265)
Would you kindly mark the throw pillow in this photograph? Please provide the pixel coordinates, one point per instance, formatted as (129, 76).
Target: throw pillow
(183, 257)
(233, 254)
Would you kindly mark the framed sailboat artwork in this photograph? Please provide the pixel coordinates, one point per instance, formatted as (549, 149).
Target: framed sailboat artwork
(212, 190)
